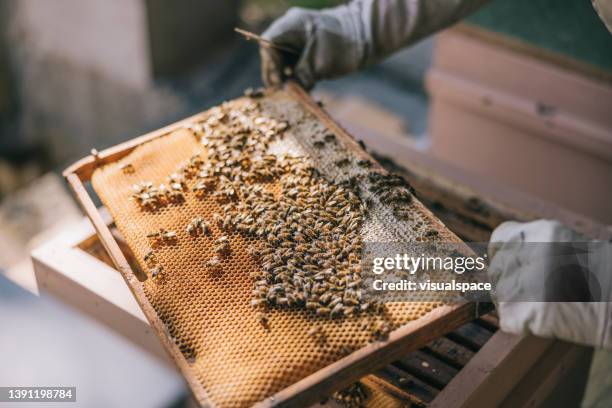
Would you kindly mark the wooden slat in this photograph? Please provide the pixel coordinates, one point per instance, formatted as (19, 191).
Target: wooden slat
(450, 352)
(514, 45)
(420, 392)
(471, 335)
(490, 321)
(493, 371)
(106, 237)
(534, 388)
(427, 368)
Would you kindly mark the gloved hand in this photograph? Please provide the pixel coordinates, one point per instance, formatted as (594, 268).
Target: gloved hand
(340, 40)
(551, 289)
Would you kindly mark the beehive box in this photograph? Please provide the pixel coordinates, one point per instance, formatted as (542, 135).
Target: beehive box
(248, 222)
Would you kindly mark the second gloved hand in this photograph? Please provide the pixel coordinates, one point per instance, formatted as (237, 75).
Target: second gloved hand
(549, 281)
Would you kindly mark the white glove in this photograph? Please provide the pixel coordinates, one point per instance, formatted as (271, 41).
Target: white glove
(569, 291)
(340, 40)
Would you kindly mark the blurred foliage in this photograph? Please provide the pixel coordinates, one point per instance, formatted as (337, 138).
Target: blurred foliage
(259, 12)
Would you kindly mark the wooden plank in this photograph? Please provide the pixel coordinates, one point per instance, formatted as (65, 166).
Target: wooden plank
(427, 367)
(450, 352)
(493, 372)
(490, 321)
(570, 390)
(537, 385)
(104, 233)
(465, 227)
(514, 45)
(471, 335)
(419, 391)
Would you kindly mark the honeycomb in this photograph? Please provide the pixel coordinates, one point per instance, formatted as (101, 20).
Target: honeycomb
(208, 314)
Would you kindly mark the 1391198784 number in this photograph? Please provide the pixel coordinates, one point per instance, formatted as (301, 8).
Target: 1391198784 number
(37, 394)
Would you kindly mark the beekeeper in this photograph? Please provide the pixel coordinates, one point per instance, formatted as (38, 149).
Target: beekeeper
(337, 41)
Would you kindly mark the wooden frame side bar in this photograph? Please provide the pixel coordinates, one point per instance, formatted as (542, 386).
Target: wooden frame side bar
(106, 237)
(112, 247)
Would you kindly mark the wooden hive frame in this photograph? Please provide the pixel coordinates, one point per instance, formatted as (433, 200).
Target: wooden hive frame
(312, 388)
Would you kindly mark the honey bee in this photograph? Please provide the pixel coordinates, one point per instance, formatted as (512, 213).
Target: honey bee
(213, 264)
(168, 235)
(323, 311)
(222, 245)
(264, 320)
(156, 271)
(343, 162)
(127, 168)
(318, 334)
(149, 256)
(381, 330)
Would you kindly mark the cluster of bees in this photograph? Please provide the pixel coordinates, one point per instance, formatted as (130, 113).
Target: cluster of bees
(152, 197)
(393, 190)
(198, 226)
(309, 229)
(353, 396)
